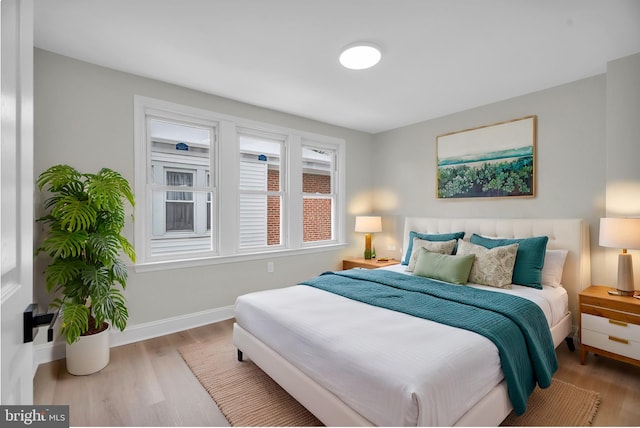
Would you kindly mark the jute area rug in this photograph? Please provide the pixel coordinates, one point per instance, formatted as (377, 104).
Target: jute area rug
(246, 396)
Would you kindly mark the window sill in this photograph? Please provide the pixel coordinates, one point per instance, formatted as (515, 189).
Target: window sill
(206, 261)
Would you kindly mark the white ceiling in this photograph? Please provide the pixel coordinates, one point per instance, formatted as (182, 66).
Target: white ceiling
(439, 56)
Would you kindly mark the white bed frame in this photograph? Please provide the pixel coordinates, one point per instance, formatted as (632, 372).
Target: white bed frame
(568, 234)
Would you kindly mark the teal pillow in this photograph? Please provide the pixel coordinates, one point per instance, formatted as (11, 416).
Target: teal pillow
(529, 258)
(454, 269)
(429, 237)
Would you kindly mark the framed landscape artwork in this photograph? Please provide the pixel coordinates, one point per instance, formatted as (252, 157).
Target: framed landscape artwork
(486, 162)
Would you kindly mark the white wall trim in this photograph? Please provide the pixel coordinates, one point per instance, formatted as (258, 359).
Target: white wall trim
(52, 351)
(206, 261)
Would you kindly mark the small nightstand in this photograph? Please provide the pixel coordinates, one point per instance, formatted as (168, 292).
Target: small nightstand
(609, 325)
(367, 264)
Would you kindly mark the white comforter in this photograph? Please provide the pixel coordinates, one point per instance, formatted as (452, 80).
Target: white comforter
(392, 368)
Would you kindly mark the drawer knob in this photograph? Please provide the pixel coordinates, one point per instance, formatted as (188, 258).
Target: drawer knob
(620, 323)
(619, 340)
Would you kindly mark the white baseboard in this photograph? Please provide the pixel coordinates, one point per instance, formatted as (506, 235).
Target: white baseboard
(55, 350)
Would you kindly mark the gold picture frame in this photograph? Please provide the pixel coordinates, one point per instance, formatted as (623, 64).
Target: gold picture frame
(492, 161)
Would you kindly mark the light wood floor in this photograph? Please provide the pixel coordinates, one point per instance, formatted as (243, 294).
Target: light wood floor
(148, 384)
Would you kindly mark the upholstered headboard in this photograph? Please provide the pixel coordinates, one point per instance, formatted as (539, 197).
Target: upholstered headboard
(568, 234)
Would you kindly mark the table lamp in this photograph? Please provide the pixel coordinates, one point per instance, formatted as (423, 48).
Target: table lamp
(368, 225)
(623, 233)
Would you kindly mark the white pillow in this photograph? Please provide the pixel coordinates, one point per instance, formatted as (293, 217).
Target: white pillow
(440, 247)
(553, 266)
(493, 266)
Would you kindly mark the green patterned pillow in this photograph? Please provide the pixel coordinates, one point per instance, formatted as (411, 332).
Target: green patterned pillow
(429, 237)
(493, 266)
(440, 247)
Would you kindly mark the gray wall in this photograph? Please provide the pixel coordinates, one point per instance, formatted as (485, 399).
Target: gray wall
(623, 137)
(84, 117)
(588, 141)
(623, 148)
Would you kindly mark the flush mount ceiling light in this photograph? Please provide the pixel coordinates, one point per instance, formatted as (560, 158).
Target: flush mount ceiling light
(359, 56)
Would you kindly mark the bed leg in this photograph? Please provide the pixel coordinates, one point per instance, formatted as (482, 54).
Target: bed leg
(570, 344)
(239, 355)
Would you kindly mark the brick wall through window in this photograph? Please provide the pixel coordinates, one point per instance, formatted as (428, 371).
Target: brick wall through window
(316, 212)
(317, 219)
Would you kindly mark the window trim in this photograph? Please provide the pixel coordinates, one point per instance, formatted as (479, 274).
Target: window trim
(225, 158)
(145, 110)
(243, 257)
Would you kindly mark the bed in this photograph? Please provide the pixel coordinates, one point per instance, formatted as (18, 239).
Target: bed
(300, 336)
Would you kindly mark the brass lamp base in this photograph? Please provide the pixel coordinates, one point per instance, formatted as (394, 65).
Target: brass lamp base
(367, 246)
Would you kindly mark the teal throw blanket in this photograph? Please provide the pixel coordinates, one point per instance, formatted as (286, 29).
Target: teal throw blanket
(515, 325)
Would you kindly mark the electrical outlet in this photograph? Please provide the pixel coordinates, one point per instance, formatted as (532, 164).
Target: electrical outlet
(270, 267)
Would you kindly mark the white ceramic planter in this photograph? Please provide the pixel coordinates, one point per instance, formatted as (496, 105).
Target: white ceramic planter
(88, 355)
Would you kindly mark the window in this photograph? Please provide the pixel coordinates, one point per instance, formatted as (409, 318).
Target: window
(178, 163)
(211, 186)
(318, 194)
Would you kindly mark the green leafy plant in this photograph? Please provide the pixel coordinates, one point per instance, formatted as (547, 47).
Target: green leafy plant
(85, 216)
(507, 178)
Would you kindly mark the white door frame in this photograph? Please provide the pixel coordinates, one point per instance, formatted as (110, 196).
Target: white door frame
(17, 197)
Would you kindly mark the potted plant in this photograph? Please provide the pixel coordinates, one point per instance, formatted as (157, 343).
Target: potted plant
(85, 218)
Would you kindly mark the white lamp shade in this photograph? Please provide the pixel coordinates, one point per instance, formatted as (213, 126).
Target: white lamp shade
(621, 233)
(368, 224)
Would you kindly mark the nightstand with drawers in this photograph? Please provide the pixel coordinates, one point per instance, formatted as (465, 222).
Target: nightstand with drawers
(609, 325)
